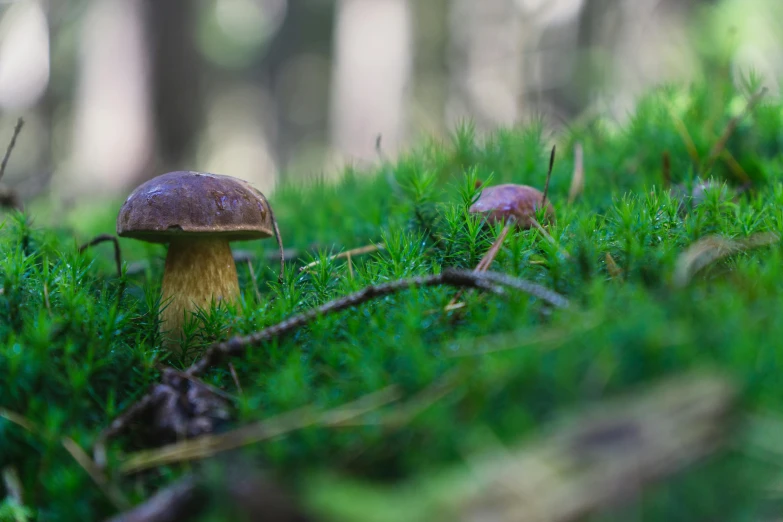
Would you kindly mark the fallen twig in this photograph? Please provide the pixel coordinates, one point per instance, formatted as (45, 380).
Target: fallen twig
(235, 377)
(487, 281)
(611, 266)
(549, 238)
(414, 406)
(11, 145)
(279, 239)
(112, 492)
(13, 485)
(209, 445)
(107, 488)
(666, 169)
(483, 264)
(8, 197)
(171, 403)
(347, 253)
(578, 176)
(712, 248)
(729, 130)
(102, 239)
(17, 419)
(548, 176)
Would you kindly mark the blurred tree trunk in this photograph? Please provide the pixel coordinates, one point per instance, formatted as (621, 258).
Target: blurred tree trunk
(372, 71)
(112, 140)
(305, 37)
(485, 57)
(430, 74)
(177, 89)
(626, 47)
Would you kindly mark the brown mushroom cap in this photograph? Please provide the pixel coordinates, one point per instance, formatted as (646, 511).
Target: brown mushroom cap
(194, 204)
(499, 203)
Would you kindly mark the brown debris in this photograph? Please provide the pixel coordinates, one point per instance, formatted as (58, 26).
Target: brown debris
(179, 407)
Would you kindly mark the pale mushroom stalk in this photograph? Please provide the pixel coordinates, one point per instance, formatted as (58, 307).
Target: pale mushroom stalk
(197, 271)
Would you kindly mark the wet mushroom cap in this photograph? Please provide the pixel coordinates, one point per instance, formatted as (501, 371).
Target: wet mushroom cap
(499, 203)
(193, 204)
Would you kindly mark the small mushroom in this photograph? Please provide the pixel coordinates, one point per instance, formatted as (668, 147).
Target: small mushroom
(695, 195)
(500, 203)
(197, 214)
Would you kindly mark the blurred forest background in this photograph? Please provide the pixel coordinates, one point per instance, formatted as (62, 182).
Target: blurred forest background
(114, 92)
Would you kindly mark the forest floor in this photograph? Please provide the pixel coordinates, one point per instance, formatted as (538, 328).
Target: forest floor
(627, 351)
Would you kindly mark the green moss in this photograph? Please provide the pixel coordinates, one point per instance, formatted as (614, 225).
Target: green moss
(74, 352)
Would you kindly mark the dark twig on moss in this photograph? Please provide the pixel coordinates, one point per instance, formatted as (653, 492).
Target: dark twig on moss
(666, 169)
(102, 239)
(548, 175)
(279, 239)
(488, 281)
(8, 197)
(172, 395)
(11, 145)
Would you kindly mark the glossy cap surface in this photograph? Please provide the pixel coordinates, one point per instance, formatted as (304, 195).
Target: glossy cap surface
(499, 203)
(187, 203)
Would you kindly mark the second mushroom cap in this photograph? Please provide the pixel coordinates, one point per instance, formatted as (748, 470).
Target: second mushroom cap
(500, 203)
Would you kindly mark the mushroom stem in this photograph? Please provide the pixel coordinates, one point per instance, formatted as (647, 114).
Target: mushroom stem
(197, 271)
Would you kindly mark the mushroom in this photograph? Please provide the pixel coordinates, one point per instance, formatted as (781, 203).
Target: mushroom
(197, 214)
(500, 203)
(512, 205)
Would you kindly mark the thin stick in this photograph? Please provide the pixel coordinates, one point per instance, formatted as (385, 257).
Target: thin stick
(235, 377)
(209, 445)
(423, 399)
(548, 175)
(348, 253)
(102, 239)
(46, 299)
(682, 130)
(712, 248)
(11, 145)
(548, 237)
(18, 419)
(279, 239)
(578, 176)
(482, 266)
(666, 169)
(254, 280)
(612, 268)
(730, 128)
(736, 168)
(112, 493)
(13, 485)
(487, 281)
